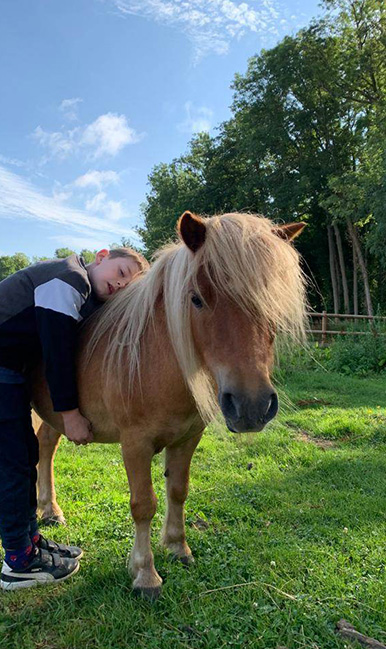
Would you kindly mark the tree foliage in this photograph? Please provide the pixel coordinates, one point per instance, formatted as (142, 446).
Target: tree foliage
(12, 263)
(306, 140)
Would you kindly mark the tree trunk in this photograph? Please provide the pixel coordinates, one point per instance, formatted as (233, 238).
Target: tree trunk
(332, 256)
(342, 269)
(361, 264)
(355, 281)
(338, 281)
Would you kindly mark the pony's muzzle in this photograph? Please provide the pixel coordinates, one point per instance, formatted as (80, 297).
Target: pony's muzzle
(243, 414)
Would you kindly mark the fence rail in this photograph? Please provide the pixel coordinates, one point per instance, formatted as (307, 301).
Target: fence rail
(324, 331)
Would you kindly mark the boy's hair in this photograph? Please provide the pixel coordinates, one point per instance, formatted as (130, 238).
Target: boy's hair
(140, 260)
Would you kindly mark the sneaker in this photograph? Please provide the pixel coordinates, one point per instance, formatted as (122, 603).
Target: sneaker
(65, 551)
(45, 568)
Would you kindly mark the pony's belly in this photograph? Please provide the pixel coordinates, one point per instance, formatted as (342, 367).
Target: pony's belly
(165, 432)
(106, 436)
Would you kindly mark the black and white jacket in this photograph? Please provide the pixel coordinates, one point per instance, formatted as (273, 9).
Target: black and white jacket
(40, 308)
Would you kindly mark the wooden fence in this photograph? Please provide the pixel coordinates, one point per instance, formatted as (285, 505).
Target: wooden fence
(321, 321)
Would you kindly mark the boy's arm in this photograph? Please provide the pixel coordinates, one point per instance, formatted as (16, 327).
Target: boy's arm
(57, 307)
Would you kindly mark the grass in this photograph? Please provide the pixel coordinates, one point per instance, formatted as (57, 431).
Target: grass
(295, 539)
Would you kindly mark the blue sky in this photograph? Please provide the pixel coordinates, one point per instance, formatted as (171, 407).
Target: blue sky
(96, 92)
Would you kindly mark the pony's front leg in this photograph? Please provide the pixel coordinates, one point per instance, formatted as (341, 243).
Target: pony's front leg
(143, 503)
(48, 508)
(177, 465)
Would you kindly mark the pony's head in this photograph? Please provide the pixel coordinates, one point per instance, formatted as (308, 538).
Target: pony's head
(227, 288)
(241, 283)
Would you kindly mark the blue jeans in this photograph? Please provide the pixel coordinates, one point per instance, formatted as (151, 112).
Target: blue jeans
(19, 455)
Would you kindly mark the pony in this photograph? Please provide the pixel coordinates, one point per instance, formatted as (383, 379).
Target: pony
(192, 336)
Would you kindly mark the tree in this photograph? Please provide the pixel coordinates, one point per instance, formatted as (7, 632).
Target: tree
(358, 195)
(12, 263)
(298, 134)
(174, 188)
(62, 253)
(88, 255)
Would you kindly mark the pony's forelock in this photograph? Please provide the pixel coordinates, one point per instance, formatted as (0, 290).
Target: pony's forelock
(243, 259)
(251, 265)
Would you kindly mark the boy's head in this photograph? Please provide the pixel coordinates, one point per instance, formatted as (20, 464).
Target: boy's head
(113, 270)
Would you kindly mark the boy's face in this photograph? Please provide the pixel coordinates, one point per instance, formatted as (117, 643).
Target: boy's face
(107, 276)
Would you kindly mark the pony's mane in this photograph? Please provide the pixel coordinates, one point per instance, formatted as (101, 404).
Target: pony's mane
(243, 259)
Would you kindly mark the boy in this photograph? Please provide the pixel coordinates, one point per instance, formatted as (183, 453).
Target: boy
(40, 307)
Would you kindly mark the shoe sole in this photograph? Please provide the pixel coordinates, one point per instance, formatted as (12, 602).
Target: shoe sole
(32, 583)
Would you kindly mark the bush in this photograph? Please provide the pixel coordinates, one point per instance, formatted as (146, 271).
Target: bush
(356, 355)
(360, 356)
(297, 358)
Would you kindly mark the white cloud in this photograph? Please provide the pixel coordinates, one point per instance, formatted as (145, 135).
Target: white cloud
(112, 210)
(100, 203)
(115, 210)
(61, 194)
(107, 135)
(20, 199)
(197, 119)
(94, 178)
(69, 107)
(58, 144)
(210, 24)
(96, 203)
(13, 162)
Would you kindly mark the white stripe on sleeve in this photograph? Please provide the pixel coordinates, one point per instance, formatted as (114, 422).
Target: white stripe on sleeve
(59, 296)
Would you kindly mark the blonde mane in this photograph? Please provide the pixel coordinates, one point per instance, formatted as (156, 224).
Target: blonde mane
(243, 259)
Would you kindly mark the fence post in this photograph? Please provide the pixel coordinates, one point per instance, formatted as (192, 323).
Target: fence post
(372, 326)
(324, 327)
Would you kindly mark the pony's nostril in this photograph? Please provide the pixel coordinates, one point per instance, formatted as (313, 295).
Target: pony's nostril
(272, 407)
(229, 406)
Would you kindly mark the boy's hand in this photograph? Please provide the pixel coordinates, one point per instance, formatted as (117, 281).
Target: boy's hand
(76, 427)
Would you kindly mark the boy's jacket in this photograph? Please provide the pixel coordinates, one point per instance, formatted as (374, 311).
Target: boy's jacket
(40, 307)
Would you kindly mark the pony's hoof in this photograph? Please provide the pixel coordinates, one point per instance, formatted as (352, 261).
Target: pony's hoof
(187, 560)
(149, 594)
(53, 521)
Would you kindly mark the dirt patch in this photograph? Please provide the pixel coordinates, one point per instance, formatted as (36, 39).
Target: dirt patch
(347, 630)
(200, 524)
(312, 402)
(324, 444)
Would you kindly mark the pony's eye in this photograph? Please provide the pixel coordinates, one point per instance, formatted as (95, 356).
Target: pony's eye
(196, 301)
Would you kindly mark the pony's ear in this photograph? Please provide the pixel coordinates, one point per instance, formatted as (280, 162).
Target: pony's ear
(192, 230)
(289, 231)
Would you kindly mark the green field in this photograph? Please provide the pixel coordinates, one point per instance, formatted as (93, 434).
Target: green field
(295, 537)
